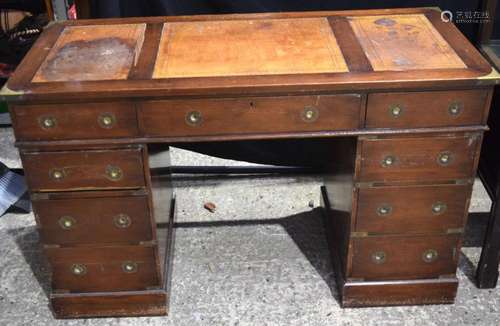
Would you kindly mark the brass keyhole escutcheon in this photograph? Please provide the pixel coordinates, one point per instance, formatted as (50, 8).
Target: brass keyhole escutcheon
(445, 158)
(114, 173)
(57, 174)
(455, 108)
(106, 120)
(388, 161)
(194, 118)
(310, 114)
(378, 257)
(129, 267)
(430, 255)
(384, 210)
(47, 122)
(122, 221)
(438, 208)
(396, 110)
(67, 222)
(78, 269)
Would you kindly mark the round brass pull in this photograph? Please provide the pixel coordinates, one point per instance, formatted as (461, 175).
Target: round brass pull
(106, 120)
(444, 158)
(310, 114)
(396, 110)
(122, 221)
(438, 208)
(388, 161)
(78, 269)
(455, 108)
(430, 255)
(194, 118)
(378, 257)
(114, 173)
(384, 210)
(47, 122)
(129, 267)
(57, 174)
(67, 222)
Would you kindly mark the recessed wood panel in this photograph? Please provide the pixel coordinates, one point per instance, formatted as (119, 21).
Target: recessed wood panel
(403, 42)
(248, 47)
(93, 52)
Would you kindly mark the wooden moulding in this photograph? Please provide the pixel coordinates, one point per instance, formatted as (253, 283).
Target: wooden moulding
(153, 302)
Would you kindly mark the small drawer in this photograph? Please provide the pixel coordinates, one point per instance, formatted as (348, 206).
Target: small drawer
(397, 257)
(74, 121)
(109, 218)
(415, 209)
(95, 269)
(84, 170)
(250, 115)
(418, 159)
(426, 109)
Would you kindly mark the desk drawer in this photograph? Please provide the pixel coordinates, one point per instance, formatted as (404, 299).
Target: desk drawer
(416, 209)
(250, 115)
(426, 109)
(418, 159)
(112, 218)
(75, 121)
(117, 268)
(84, 170)
(392, 258)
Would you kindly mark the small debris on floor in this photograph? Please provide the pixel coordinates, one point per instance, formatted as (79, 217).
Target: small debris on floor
(311, 203)
(209, 206)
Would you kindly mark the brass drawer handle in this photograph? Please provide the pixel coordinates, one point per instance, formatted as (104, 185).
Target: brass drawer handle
(57, 174)
(444, 158)
(47, 122)
(129, 267)
(310, 114)
(78, 269)
(388, 161)
(122, 221)
(430, 255)
(438, 208)
(114, 173)
(396, 110)
(67, 222)
(194, 118)
(378, 257)
(106, 120)
(384, 210)
(455, 108)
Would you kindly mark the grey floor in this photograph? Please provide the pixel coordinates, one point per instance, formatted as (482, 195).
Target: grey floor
(270, 268)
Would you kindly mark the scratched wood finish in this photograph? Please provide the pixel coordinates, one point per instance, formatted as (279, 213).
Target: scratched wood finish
(92, 53)
(248, 47)
(404, 42)
(75, 121)
(250, 115)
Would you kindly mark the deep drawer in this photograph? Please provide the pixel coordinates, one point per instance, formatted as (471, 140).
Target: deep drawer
(250, 115)
(116, 268)
(426, 109)
(84, 170)
(397, 257)
(415, 209)
(75, 121)
(418, 159)
(103, 219)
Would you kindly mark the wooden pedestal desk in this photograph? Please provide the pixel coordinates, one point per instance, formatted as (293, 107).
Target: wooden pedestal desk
(402, 94)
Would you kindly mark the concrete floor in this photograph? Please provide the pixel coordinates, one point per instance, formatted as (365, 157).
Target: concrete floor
(270, 268)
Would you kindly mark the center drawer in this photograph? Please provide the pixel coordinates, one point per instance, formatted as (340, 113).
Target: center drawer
(250, 115)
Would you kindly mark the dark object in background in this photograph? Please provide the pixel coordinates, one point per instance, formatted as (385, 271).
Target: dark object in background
(13, 191)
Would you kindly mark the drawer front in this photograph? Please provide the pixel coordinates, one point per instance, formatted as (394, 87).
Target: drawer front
(125, 268)
(250, 115)
(426, 109)
(94, 220)
(75, 121)
(416, 209)
(418, 159)
(83, 170)
(392, 258)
